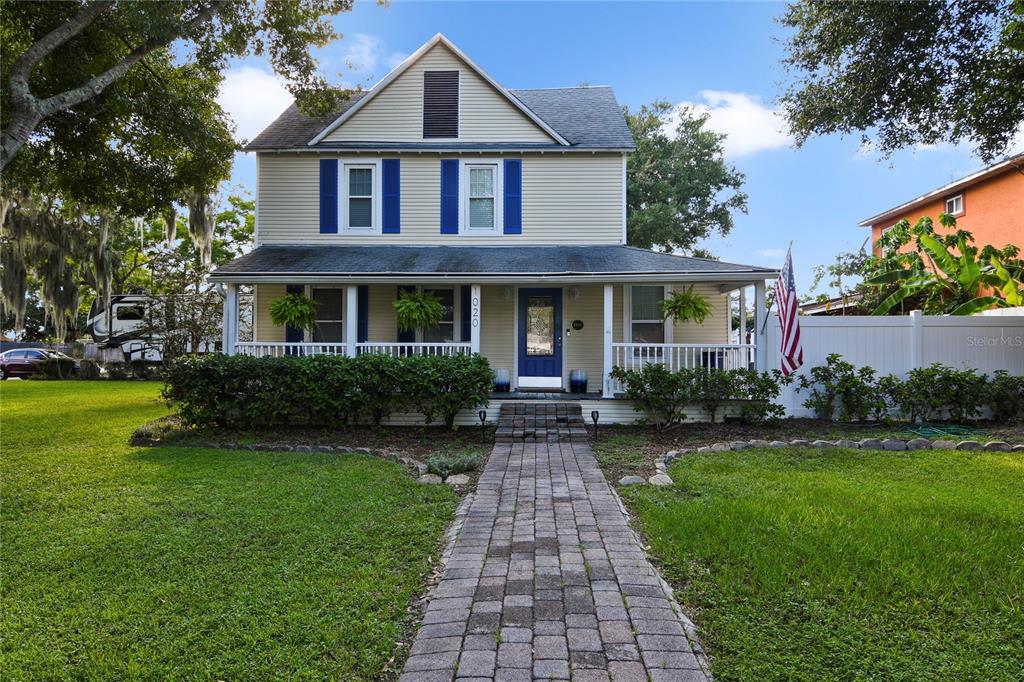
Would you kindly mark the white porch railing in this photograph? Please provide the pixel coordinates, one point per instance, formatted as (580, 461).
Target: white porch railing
(678, 356)
(260, 349)
(403, 350)
(399, 350)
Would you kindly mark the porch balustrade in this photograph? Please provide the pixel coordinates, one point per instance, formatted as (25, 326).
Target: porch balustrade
(676, 356)
(400, 350)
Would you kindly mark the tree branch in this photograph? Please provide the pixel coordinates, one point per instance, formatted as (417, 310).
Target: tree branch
(28, 112)
(95, 85)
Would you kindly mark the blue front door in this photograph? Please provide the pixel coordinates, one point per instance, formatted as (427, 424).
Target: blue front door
(540, 333)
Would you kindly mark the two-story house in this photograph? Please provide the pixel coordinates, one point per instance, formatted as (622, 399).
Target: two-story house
(988, 203)
(508, 205)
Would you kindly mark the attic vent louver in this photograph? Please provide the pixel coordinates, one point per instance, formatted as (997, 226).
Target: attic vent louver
(441, 104)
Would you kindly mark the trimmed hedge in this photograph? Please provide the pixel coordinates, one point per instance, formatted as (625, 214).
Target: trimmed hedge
(323, 390)
(839, 391)
(665, 394)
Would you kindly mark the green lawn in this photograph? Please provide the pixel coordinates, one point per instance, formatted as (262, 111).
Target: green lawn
(123, 562)
(809, 564)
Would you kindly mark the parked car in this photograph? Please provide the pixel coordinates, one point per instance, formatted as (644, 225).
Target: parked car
(26, 362)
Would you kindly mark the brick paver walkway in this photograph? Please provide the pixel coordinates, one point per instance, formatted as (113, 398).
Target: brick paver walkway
(547, 581)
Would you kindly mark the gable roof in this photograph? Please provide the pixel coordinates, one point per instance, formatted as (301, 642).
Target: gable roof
(1013, 162)
(582, 118)
(412, 59)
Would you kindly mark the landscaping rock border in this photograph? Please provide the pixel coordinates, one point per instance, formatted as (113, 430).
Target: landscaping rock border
(661, 478)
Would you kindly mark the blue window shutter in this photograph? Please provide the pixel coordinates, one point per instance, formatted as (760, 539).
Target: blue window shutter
(329, 196)
(449, 196)
(513, 196)
(294, 334)
(467, 313)
(406, 336)
(391, 222)
(363, 315)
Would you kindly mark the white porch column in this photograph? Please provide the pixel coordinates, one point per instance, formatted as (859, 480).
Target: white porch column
(229, 332)
(609, 315)
(760, 330)
(351, 320)
(474, 319)
(743, 315)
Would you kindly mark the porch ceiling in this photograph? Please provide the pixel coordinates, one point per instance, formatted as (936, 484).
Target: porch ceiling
(298, 263)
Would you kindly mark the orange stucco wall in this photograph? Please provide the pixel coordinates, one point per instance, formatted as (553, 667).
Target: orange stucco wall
(993, 211)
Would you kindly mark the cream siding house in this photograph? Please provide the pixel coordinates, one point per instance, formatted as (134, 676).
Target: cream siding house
(509, 205)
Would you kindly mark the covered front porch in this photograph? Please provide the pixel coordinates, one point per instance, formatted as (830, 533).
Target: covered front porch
(540, 331)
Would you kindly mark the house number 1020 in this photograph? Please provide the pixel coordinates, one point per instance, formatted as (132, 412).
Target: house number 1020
(476, 311)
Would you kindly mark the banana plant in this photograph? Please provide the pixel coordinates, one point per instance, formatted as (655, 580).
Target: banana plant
(959, 284)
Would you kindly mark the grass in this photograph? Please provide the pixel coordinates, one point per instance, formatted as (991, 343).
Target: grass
(845, 564)
(127, 563)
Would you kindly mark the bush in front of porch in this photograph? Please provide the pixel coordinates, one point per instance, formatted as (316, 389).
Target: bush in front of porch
(324, 390)
(665, 394)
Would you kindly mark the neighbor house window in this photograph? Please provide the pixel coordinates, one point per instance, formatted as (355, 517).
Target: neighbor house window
(359, 183)
(481, 205)
(955, 205)
(330, 326)
(445, 330)
(645, 322)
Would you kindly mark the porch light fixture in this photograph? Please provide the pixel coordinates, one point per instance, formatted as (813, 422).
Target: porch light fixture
(574, 293)
(506, 293)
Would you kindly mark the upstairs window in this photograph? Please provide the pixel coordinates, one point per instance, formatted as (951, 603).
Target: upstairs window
(441, 104)
(481, 197)
(955, 205)
(359, 185)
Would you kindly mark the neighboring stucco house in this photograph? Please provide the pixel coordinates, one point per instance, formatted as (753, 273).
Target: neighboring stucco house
(989, 204)
(509, 205)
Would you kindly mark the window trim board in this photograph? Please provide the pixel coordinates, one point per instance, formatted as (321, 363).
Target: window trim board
(497, 230)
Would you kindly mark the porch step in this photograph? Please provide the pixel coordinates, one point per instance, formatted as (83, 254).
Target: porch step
(528, 422)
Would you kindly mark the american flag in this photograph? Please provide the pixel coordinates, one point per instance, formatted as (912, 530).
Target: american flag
(785, 295)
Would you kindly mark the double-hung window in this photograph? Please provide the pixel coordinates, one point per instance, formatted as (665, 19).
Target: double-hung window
(646, 324)
(482, 203)
(445, 330)
(359, 189)
(330, 325)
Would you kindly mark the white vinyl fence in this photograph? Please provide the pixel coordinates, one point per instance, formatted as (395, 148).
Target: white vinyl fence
(895, 345)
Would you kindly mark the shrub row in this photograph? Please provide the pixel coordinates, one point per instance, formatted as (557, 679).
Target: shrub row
(324, 390)
(838, 390)
(664, 394)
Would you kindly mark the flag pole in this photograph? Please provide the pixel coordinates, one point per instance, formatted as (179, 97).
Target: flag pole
(764, 324)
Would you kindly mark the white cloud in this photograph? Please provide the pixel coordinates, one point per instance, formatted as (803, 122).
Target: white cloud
(749, 125)
(363, 62)
(253, 98)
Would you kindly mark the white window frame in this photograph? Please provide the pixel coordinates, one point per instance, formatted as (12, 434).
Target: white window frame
(499, 197)
(954, 198)
(376, 200)
(627, 316)
(308, 335)
(456, 312)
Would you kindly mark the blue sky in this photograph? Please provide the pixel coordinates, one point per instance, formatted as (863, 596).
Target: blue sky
(724, 56)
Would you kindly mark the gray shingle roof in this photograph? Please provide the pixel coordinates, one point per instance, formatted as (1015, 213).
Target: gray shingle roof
(589, 118)
(389, 260)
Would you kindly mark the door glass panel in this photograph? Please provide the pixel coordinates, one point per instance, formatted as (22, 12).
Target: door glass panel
(445, 331)
(540, 325)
